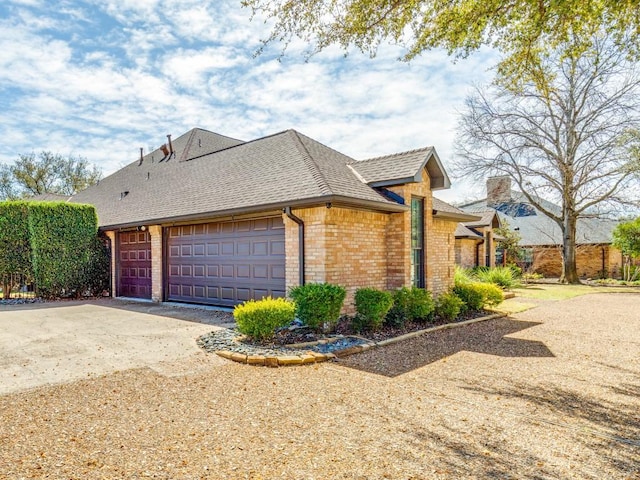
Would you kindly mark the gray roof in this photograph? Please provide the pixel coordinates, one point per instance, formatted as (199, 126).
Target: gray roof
(405, 167)
(538, 229)
(464, 232)
(488, 218)
(285, 169)
(442, 209)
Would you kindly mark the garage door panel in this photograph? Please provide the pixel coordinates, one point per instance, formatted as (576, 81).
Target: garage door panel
(230, 263)
(134, 265)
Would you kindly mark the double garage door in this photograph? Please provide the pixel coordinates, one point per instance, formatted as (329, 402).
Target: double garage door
(226, 263)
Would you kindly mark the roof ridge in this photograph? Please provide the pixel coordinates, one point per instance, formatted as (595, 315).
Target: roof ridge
(311, 164)
(185, 151)
(398, 154)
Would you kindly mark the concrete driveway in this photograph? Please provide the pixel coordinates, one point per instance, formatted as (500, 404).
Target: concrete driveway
(63, 341)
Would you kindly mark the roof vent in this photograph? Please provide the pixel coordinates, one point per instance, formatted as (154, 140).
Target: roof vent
(124, 194)
(141, 156)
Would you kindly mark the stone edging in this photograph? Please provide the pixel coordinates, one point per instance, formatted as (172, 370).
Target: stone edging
(309, 357)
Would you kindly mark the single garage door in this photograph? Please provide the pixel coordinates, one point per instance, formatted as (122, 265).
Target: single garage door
(226, 263)
(134, 266)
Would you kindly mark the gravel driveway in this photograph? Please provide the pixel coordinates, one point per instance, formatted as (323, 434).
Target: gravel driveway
(550, 393)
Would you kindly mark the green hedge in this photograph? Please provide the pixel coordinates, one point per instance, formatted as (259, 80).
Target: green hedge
(318, 305)
(15, 248)
(57, 243)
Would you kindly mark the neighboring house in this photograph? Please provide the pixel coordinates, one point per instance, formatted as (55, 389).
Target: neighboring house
(213, 220)
(541, 238)
(476, 242)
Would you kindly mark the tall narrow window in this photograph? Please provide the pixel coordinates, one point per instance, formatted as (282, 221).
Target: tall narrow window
(417, 242)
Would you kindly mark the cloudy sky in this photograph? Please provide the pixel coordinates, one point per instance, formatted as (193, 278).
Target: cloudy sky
(102, 79)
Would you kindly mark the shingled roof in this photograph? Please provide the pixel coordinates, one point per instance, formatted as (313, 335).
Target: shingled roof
(405, 167)
(537, 229)
(442, 209)
(213, 175)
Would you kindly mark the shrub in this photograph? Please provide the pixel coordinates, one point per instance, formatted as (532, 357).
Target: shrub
(463, 275)
(260, 319)
(491, 294)
(471, 296)
(477, 295)
(318, 305)
(448, 305)
(372, 305)
(15, 249)
(504, 277)
(410, 304)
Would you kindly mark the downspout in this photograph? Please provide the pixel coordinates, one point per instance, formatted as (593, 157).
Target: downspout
(298, 220)
(478, 245)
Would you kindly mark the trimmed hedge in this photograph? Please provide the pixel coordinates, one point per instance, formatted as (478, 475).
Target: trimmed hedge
(57, 243)
(372, 305)
(318, 305)
(15, 249)
(260, 319)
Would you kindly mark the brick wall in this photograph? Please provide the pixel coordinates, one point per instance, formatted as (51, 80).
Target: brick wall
(465, 252)
(589, 261)
(441, 256)
(157, 291)
(342, 246)
(112, 236)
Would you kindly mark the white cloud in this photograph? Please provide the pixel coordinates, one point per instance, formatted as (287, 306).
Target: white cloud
(155, 67)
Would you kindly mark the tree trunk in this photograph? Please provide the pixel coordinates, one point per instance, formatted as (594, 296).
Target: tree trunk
(6, 289)
(569, 267)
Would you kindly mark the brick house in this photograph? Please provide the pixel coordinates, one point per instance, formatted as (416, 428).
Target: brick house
(541, 238)
(476, 243)
(209, 219)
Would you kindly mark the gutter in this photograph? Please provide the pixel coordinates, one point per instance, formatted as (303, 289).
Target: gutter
(298, 220)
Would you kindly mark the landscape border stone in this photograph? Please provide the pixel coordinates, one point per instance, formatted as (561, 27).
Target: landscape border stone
(309, 357)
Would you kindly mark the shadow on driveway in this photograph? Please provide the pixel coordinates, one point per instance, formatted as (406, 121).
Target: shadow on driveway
(484, 337)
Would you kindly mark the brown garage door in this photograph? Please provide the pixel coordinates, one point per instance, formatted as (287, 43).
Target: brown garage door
(226, 263)
(134, 265)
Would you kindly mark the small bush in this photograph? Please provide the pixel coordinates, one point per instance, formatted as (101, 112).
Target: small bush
(318, 305)
(504, 277)
(471, 296)
(491, 294)
(410, 304)
(448, 306)
(372, 305)
(260, 319)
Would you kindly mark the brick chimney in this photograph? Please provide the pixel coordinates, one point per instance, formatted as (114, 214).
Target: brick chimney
(498, 190)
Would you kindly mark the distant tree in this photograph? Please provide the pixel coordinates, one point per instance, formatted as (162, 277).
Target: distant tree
(626, 238)
(569, 134)
(509, 241)
(46, 173)
(522, 31)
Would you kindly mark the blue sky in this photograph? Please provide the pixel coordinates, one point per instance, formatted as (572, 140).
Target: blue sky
(100, 80)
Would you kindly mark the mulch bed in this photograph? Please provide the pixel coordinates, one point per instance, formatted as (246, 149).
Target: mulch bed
(344, 328)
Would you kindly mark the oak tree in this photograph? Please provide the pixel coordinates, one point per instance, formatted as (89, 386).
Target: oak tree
(520, 30)
(47, 173)
(568, 135)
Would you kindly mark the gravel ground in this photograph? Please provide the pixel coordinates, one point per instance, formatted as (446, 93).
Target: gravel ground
(558, 397)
